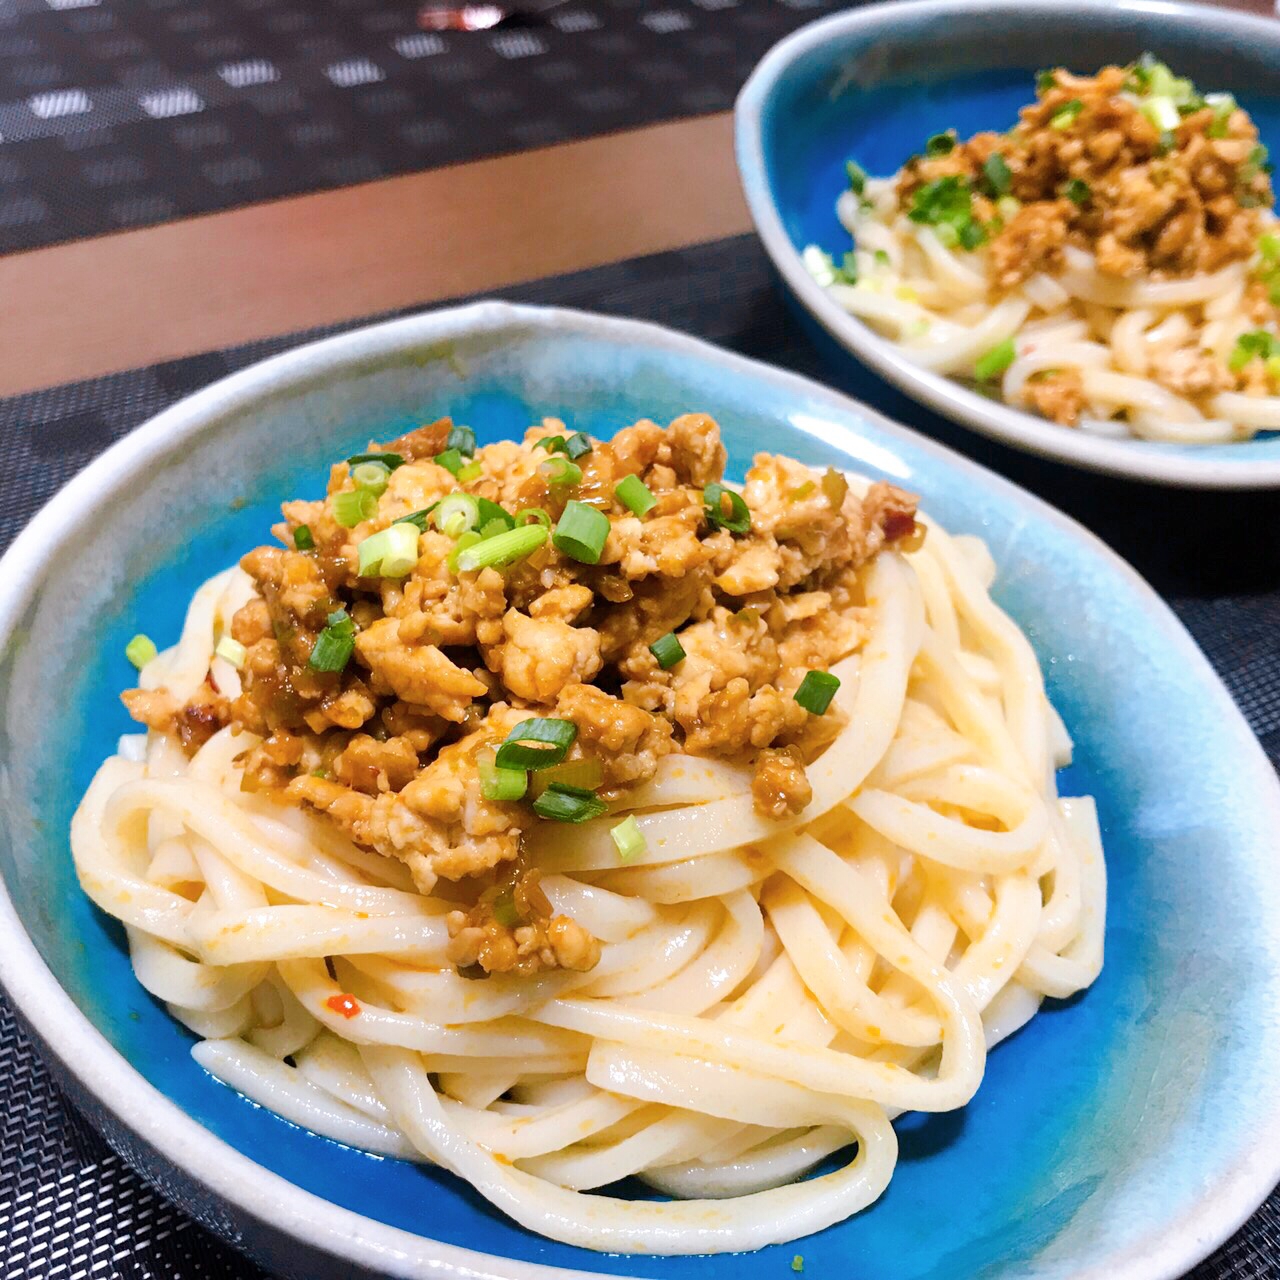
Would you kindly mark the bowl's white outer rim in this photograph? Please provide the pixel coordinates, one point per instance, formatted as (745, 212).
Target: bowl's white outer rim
(256, 1193)
(1001, 422)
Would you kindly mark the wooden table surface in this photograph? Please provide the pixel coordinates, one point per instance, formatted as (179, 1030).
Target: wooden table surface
(96, 306)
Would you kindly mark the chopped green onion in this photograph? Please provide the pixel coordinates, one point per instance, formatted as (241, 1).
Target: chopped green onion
(335, 644)
(140, 650)
(472, 537)
(502, 550)
(577, 444)
(797, 1261)
(232, 651)
(456, 514)
(389, 554)
(948, 202)
(533, 515)
(463, 439)
(882, 257)
(389, 460)
(372, 476)
(1269, 247)
(1258, 345)
(995, 362)
(816, 691)
(504, 908)
(472, 471)
(972, 234)
(562, 803)
(1168, 140)
(629, 839)
(738, 517)
(352, 506)
(668, 650)
(1066, 115)
(558, 470)
(450, 460)
(635, 495)
(1046, 80)
(947, 234)
(1224, 106)
(1077, 191)
(857, 177)
(492, 528)
(537, 743)
(418, 518)
(1273, 368)
(1160, 111)
(995, 170)
(502, 784)
(302, 538)
(552, 444)
(581, 532)
(490, 511)
(1008, 207)
(941, 144)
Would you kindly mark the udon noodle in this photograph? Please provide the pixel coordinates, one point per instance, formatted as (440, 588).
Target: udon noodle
(770, 994)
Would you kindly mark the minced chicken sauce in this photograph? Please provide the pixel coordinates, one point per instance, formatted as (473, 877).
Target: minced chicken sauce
(439, 662)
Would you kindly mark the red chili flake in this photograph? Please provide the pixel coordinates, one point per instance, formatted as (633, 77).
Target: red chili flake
(344, 1004)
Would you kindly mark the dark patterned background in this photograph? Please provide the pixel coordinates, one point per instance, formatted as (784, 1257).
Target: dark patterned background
(71, 1210)
(117, 113)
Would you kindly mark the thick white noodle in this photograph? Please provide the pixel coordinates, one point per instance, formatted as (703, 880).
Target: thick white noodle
(1122, 337)
(769, 993)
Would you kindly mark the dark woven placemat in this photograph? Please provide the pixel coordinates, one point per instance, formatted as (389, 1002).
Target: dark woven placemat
(70, 1209)
(119, 113)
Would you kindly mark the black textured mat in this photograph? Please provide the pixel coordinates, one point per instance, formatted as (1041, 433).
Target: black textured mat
(119, 113)
(71, 1210)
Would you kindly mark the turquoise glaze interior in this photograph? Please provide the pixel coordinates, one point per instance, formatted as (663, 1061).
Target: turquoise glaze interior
(876, 93)
(1104, 1119)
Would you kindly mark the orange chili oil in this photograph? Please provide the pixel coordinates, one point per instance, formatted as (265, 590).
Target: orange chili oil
(345, 1004)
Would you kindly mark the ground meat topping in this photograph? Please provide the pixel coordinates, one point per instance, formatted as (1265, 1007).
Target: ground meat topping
(380, 698)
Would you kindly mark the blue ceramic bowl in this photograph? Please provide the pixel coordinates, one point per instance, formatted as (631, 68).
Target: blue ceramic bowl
(875, 83)
(1120, 1135)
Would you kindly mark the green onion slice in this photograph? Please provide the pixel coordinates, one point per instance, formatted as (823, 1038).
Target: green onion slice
(538, 743)
(738, 517)
(995, 362)
(372, 476)
(558, 470)
(472, 471)
(389, 460)
(303, 539)
(232, 651)
(472, 538)
(389, 554)
(533, 515)
(857, 177)
(668, 650)
(450, 460)
(500, 551)
(1077, 191)
(816, 691)
(1259, 345)
(552, 444)
(635, 495)
(1066, 115)
(502, 784)
(995, 170)
(335, 644)
(578, 444)
(629, 839)
(463, 439)
(456, 514)
(490, 511)
(505, 911)
(353, 506)
(941, 144)
(581, 532)
(140, 650)
(561, 803)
